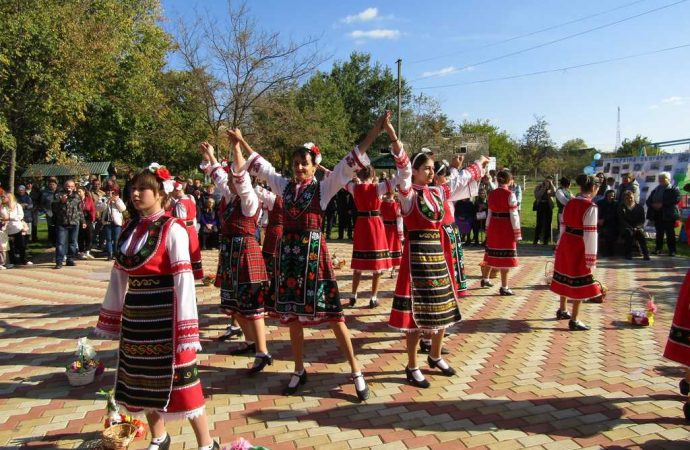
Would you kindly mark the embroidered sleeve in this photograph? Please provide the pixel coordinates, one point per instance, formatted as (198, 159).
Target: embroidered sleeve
(110, 315)
(220, 180)
(342, 173)
(403, 178)
(263, 170)
(266, 197)
(248, 198)
(514, 217)
(187, 322)
(464, 182)
(590, 236)
(180, 210)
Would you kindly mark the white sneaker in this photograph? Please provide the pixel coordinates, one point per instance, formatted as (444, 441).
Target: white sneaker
(29, 263)
(3, 268)
(89, 256)
(81, 255)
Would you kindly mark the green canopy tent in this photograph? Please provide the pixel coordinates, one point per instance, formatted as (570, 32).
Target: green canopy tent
(76, 169)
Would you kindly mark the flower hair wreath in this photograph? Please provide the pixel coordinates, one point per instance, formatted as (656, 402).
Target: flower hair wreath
(315, 150)
(163, 175)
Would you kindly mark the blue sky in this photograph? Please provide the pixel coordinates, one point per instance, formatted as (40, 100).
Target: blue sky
(442, 42)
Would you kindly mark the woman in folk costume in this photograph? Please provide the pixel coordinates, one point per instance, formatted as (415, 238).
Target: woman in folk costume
(502, 233)
(184, 208)
(456, 186)
(576, 253)
(150, 305)
(242, 271)
(425, 300)
(369, 246)
(307, 292)
(393, 224)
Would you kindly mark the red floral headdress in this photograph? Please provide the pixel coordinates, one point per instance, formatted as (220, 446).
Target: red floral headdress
(315, 150)
(163, 175)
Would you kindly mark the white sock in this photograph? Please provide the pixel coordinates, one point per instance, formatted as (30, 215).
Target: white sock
(374, 298)
(426, 341)
(360, 384)
(353, 295)
(486, 280)
(440, 362)
(294, 381)
(155, 442)
(416, 373)
(206, 447)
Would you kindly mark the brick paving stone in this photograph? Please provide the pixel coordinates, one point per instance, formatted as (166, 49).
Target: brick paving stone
(521, 375)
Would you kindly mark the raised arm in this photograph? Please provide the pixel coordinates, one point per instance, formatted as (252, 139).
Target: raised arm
(464, 182)
(260, 168)
(403, 177)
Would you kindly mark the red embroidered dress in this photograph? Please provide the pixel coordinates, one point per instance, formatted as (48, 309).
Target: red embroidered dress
(425, 295)
(150, 305)
(185, 209)
(241, 273)
(678, 344)
(274, 232)
(502, 229)
(393, 224)
(369, 245)
(576, 252)
(307, 289)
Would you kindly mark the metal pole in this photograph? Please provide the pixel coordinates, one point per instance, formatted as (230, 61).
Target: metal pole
(399, 62)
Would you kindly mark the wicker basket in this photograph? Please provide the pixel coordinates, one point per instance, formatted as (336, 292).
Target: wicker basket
(599, 298)
(641, 317)
(81, 378)
(118, 437)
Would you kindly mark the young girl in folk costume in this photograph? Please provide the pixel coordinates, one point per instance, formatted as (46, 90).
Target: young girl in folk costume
(242, 272)
(393, 224)
(184, 208)
(307, 292)
(369, 246)
(150, 305)
(576, 253)
(274, 232)
(425, 296)
(502, 233)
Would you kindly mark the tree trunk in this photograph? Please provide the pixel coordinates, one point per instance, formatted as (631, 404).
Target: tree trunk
(13, 168)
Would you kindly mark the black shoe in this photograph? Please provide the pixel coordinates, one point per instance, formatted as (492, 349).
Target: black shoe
(576, 325)
(671, 253)
(562, 315)
(230, 332)
(410, 379)
(684, 387)
(364, 393)
(260, 362)
(486, 284)
(505, 291)
(373, 302)
(302, 379)
(165, 445)
(244, 348)
(449, 372)
(216, 445)
(353, 301)
(426, 348)
(71, 263)
(656, 252)
(646, 258)
(58, 266)
(686, 411)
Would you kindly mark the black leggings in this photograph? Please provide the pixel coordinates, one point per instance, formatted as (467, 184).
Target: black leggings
(17, 248)
(86, 238)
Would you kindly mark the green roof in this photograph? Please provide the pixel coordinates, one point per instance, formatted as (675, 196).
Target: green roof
(384, 161)
(76, 169)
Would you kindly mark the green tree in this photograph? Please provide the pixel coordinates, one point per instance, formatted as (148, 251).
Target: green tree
(56, 60)
(573, 156)
(367, 90)
(632, 147)
(424, 124)
(501, 144)
(536, 146)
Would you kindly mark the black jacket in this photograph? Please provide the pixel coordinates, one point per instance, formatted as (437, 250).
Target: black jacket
(669, 210)
(630, 218)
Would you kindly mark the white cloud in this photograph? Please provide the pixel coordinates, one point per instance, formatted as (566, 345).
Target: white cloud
(364, 16)
(375, 34)
(446, 71)
(675, 100)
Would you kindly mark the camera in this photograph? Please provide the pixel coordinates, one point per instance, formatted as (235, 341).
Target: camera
(462, 150)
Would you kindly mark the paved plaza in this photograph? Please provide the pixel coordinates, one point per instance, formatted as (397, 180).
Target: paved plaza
(523, 381)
